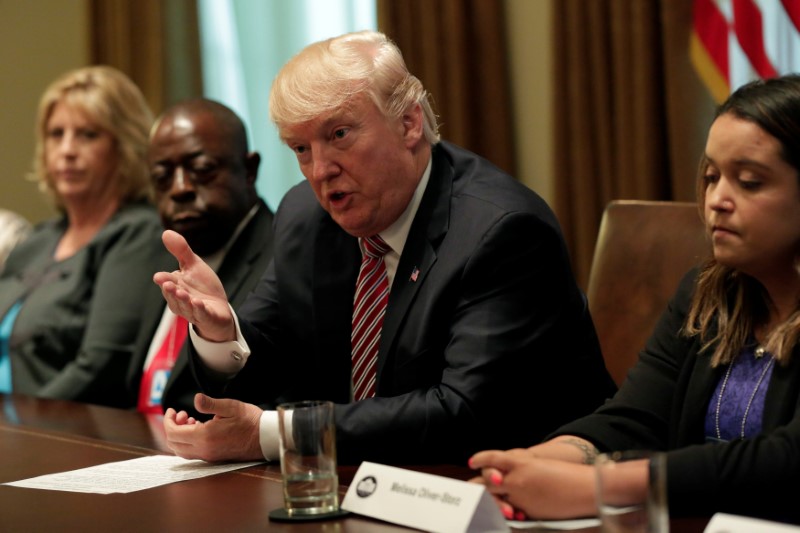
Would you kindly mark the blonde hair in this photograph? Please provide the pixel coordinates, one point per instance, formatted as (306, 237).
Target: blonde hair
(325, 75)
(114, 103)
(728, 305)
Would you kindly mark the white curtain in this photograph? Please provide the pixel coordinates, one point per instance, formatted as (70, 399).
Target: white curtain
(243, 45)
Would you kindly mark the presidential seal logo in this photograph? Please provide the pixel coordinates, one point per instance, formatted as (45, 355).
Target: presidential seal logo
(366, 486)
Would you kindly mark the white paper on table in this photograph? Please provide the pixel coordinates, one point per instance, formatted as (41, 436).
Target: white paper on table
(129, 476)
(560, 525)
(728, 523)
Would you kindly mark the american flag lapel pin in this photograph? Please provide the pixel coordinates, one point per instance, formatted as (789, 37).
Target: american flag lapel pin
(414, 274)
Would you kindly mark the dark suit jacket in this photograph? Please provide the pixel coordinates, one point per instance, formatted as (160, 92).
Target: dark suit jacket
(239, 272)
(490, 347)
(662, 406)
(74, 335)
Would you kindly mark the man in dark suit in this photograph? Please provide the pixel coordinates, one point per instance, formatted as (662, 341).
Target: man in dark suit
(474, 333)
(204, 178)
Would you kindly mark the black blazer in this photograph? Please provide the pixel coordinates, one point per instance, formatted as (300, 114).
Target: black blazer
(491, 346)
(662, 406)
(239, 272)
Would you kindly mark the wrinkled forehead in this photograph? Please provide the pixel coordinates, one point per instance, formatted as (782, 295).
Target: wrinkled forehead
(192, 132)
(352, 110)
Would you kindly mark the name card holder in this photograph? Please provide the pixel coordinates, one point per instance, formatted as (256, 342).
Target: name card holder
(422, 501)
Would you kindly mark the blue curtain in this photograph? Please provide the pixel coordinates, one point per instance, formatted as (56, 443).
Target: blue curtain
(243, 45)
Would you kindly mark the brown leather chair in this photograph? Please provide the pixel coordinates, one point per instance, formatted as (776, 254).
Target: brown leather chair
(643, 249)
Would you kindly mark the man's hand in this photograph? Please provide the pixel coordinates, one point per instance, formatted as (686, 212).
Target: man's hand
(195, 292)
(232, 435)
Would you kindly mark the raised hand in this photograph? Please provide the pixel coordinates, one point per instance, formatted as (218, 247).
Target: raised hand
(195, 292)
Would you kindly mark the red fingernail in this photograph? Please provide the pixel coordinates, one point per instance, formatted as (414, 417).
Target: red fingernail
(497, 478)
(508, 513)
(519, 515)
(469, 463)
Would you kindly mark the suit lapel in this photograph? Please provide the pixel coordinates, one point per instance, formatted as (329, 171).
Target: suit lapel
(239, 261)
(701, 385)
(419, 255)
(336, 259)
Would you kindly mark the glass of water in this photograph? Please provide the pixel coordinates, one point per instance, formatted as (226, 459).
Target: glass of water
(623, 505)
(308, 458)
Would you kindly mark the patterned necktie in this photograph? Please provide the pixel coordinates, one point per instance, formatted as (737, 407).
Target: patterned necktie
(369, 306)
(155, 376)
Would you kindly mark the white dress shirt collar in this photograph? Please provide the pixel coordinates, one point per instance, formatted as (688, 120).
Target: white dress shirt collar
(397, 234)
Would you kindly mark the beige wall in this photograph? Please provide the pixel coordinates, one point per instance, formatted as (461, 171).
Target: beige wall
(39, 39)
(531, 59)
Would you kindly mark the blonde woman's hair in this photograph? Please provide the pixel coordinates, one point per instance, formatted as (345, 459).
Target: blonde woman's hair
(728, 305)
(113, 103)
(325, 75)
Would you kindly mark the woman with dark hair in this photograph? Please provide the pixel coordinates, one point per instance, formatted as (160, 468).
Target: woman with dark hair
(69, 293)
(718, 384)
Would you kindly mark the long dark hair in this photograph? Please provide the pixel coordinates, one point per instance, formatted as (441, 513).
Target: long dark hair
(728, 304)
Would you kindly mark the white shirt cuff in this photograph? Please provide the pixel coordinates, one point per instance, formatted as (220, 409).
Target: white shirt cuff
(268, 435)
(223, 357)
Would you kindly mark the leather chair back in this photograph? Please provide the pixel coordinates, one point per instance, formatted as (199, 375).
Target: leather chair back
(643, 250)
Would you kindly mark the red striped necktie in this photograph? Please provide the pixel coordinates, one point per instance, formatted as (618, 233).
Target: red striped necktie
(369, 307)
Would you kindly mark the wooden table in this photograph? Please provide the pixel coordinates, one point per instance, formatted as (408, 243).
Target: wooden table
(44, 436)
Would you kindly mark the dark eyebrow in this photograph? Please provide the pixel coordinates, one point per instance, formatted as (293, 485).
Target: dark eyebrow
(184, 157)
(743, 162)
(194, 155)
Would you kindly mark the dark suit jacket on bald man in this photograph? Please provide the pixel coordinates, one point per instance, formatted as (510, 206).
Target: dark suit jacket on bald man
(489, 346)
(239, 272)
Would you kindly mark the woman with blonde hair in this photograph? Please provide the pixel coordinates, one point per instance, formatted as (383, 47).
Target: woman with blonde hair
(69, 293)
(717, 385)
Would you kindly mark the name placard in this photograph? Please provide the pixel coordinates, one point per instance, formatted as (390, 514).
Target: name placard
(724, 523)
(422, 501)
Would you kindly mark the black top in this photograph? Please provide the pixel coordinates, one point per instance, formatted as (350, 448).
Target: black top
(662, 406)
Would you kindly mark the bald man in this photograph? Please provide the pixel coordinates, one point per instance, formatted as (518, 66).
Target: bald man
(204, 178)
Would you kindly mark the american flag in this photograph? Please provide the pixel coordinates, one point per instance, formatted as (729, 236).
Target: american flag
(414, 274)
(736, 41)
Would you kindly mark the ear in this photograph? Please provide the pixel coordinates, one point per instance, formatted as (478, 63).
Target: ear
(251, 164)
(413, 121)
